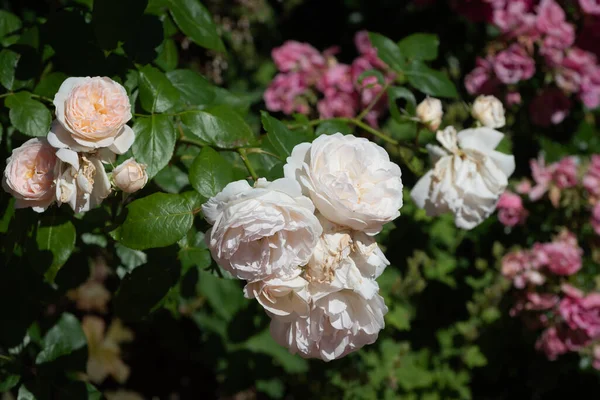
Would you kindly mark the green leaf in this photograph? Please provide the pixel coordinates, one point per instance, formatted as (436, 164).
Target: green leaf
(264, 343)
(141, 290)
(399, 318)
(167, 55)
(157, 220)
(420, 46)
(56, 236)
(329, 127)
(50, 84)
(430, 81)
(157, 93)
(388, 51)
(62, 339)
(210, 173)
(473, 357)
(116, 20)
(394, 93)
(224, 295)
(25, 394)
(29, 116)
(154, 144)
(282, 139)
(7, 382)
(194, 89)
(219, 126)
(8, 64)
(129, 257)
(195, 21)
(8, 23)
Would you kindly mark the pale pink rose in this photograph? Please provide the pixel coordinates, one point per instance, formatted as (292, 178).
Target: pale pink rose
(540, 301)
(514, 19)
(542, 176)
(590, 6)
(94, 113)
(549, 107)
(575, 65)
(510, 209)
(562, 256)
(591, 179)
(523, 187)
(551, 22)
(286, 93)
(29, 175)
(481, 80)
(338, 105)
(337, 78)
(369, 89)
(552, 343)
(565, 173)
(522, 268)
(130, 176)
(513, 65)
(294, 56)
(513, 99)
(581, 312)
(590, 88)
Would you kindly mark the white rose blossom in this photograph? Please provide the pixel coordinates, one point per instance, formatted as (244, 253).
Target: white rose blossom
(262, 231)
(489, 111)
(92, 114)
(346, 311)
(468, 177)
(351, 180)
(430, 113)
(281, 298)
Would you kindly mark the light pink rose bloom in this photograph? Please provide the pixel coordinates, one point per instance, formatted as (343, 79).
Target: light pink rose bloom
(581, 312)
(591, 179)
(513, 98)
(510, 209)
(551, 21)
(337, 78)
(542, 176)
(565, 173)
(29, 175)
(369, 88)
(514, 19)
(590, 6)
(366, 49)
(513, 65)
(294, 56)
(590, 88)
(286, 93)
(540, 301)
(93, 113)
(552, 343)
(481, 80)
(522, 268)
(549, 107)
(576, 64)
(595, 219)
(562, 256)
(130, 176)
(338, 104)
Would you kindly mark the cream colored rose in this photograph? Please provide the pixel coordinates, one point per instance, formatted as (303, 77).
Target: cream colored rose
(93, 113)
(351, 180)
(29, 175)
(263, 231)
(130, 176)
(281, 298)
(489, 111)
(430, 113)
(468, 177)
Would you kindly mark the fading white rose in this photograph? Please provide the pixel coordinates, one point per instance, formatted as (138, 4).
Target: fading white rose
(29, 175)
(430, 113)
(281, 298)
(489, 111)
(93, 113)
(468, 177)
(81, 182)
(351, 180)
(263, 231)
(130, 176)
(339, 323)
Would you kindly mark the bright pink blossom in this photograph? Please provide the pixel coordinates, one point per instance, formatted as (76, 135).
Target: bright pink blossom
(514, 19)
(521, 267)
(481, 79)
(337, 78)
(591, 179)
(552, 343)
(551, 21)
(294, 56)
(581, 312)
(590, 88)
(542, 176)
(513, 98)
(510, 209)
(513, 65)
(286, 93)
(562, 256)
(338, 104)
(549, 107)
(366, 49)
(590, 6)
(565, 173)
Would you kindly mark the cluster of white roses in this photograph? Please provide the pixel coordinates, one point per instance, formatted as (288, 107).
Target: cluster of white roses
(469, 175)
(68, 165)
(305, 243)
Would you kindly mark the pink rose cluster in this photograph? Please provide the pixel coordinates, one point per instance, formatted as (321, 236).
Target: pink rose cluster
(552, 179)
(511, 211)
(537, 27)
(570, 320)
(309, 80)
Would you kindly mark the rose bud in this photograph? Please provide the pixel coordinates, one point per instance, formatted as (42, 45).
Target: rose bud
(130, 176)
